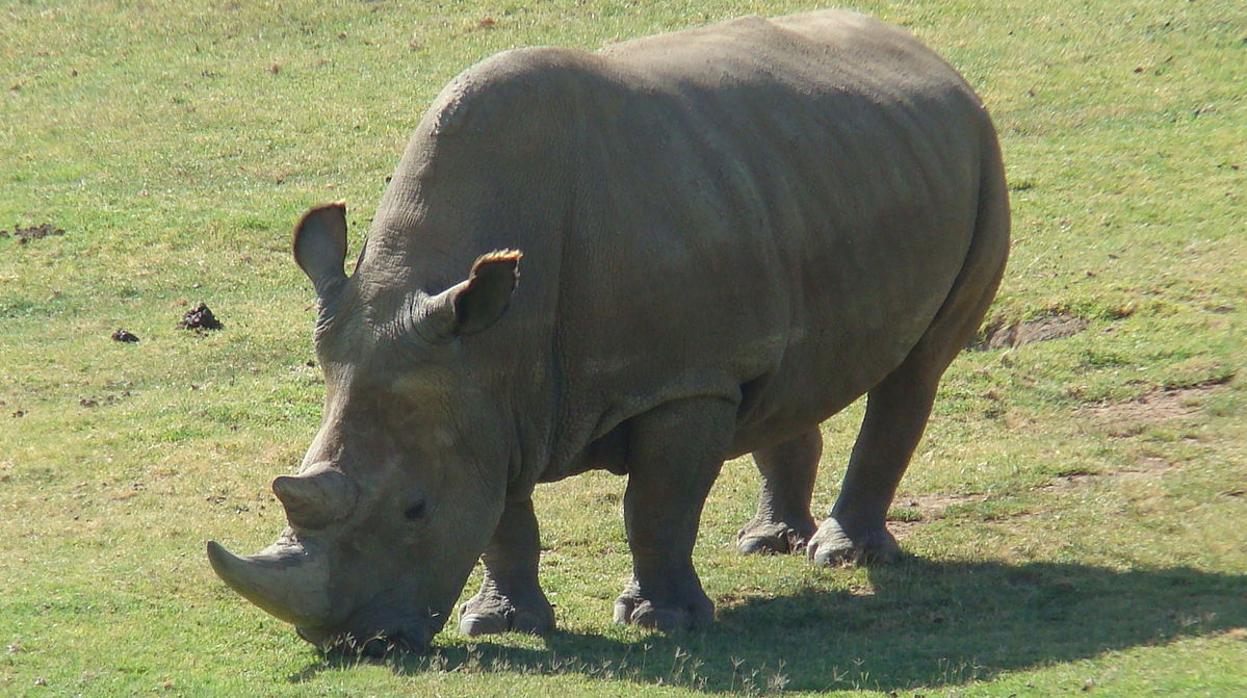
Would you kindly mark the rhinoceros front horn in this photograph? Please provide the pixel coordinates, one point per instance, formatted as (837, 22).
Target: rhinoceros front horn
(317, 497)
(284, 579)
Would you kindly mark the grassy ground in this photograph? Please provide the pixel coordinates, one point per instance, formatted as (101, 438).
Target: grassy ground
(1077, 514)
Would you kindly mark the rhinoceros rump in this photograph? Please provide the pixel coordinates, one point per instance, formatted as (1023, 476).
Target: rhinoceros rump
(727, 235)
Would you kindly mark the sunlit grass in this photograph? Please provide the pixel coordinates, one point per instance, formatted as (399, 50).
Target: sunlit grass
(1060, 542)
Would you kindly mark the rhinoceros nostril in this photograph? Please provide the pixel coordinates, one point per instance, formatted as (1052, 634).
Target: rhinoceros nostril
(415, 512)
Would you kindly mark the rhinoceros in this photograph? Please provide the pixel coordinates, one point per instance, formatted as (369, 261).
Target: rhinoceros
(726, 235)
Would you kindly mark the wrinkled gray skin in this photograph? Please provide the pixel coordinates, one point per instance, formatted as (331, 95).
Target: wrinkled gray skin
(727, 235)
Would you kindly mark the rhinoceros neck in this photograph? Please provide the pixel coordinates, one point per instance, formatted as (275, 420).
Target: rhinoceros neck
(485, 170)
(476, 178)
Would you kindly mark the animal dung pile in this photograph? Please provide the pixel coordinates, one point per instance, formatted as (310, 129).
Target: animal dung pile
(200, 318)
(34, 232)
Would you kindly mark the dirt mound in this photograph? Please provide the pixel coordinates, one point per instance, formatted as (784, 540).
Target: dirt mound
(34, 232)
(999, 335)
(200, 318)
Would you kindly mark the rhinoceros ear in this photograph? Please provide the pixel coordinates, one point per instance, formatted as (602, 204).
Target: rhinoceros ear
(320, 246)
(474, 305)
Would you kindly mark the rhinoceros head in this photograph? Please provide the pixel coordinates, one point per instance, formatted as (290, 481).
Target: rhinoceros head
(406, 479)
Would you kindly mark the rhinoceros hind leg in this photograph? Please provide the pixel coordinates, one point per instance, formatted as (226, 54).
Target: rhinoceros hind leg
(896, 414)
(510, 598)
(897, 409)
(783, 523)
(675, 452)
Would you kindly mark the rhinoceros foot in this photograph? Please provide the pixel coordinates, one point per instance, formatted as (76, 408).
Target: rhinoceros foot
(686, 608)
(491, 612)
(760, 537)
(831, 546)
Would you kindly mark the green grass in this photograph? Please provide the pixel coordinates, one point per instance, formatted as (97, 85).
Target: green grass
(1105, 546)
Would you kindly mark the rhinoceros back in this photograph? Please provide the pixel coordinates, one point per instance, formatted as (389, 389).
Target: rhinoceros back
(773, 210)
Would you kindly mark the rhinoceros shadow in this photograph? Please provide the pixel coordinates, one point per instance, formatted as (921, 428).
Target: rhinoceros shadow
(923, 623)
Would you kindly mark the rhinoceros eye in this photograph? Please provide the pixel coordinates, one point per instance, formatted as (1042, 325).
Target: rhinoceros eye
(415, 512)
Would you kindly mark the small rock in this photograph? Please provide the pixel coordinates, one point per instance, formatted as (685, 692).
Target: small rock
(124, 336)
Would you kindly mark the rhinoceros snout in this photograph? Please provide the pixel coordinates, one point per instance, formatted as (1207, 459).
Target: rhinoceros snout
(290, 581)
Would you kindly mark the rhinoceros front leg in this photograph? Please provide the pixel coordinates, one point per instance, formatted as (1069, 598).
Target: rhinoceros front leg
(510, 597)
(783, 523)
(674, 454)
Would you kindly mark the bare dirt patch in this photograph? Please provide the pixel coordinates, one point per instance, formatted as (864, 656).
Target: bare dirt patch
(930, 506)
(908, 513)
(1001, 335)
(34, 232)
(1124, 419)
(1150, 466)
(1144, 468)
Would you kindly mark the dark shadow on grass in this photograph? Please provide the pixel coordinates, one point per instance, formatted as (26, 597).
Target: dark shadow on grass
(926, 624)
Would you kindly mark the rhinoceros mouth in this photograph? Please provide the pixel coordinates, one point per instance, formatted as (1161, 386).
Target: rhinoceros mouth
(381, 625)
(406, 637)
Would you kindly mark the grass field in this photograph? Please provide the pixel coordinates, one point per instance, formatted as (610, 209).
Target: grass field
(1076, 516)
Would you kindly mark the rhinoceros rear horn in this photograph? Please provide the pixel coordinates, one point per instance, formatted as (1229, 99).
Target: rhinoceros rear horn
(316, 498)
(320, 246)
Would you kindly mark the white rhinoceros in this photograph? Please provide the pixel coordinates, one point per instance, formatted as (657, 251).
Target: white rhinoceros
(728, 235)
